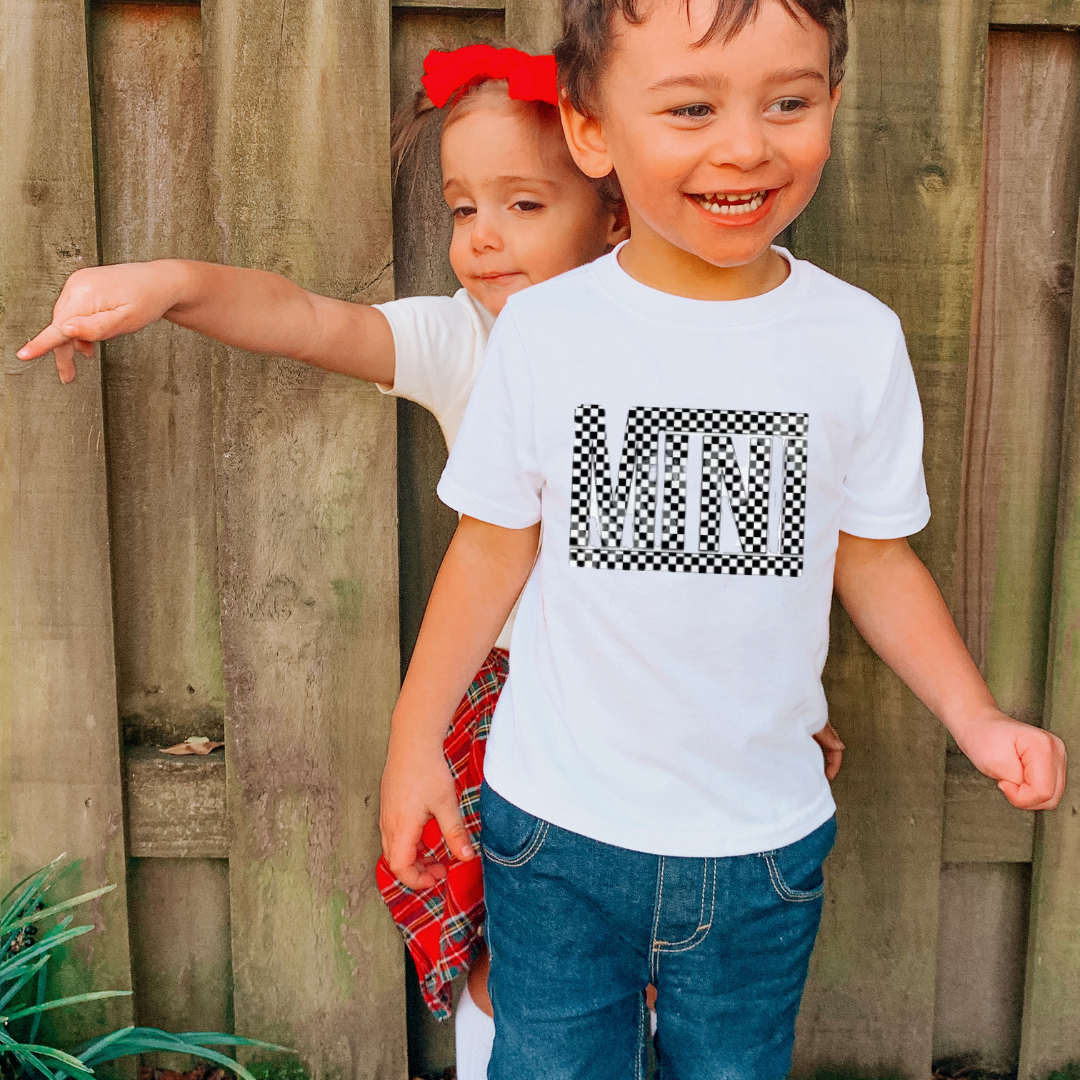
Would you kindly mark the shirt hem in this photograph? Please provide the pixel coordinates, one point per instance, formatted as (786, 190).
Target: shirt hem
(697, 846)
(887, 529)
(465, 502)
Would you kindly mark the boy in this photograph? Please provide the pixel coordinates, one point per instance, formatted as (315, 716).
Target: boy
(656, 807)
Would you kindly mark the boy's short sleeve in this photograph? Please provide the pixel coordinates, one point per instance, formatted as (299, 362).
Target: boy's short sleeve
(884, 487)
(493, 473)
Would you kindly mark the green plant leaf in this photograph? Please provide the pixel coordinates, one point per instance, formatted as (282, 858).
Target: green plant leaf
(72, 1065)
(140, 1040)
(24, 979)
(216, 1038)
(88, 1052)
(59, 1003)
(34, 916)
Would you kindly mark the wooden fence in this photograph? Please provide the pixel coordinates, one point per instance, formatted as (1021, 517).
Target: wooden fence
(195, 541)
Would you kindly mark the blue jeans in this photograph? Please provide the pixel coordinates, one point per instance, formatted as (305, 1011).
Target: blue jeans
(577, 929)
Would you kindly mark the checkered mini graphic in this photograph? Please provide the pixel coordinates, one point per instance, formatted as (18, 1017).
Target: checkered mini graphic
(593, 500)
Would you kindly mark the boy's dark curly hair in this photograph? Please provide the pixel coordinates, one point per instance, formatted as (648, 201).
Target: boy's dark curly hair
(587, 36)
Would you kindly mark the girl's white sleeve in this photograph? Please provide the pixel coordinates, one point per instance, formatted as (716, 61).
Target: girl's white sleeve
(436, 352)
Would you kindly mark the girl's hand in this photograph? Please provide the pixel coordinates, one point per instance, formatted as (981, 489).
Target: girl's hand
(102, 302)
(1027, 762)
(416, 787)
(832, 746)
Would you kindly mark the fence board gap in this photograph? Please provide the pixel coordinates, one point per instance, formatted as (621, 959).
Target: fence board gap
(307, 537)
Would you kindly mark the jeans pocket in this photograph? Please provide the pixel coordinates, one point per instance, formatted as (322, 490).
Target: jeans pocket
(796, 870)
(509, 835)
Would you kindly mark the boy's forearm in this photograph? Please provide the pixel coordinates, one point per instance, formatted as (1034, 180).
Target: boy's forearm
(899, 610)
(481, 577)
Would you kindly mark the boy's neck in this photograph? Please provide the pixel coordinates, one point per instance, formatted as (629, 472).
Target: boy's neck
(649, 258)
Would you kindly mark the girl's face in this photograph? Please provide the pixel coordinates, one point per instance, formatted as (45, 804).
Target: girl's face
(523, 212)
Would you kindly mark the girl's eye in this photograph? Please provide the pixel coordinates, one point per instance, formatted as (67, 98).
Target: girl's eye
(463, 212)
(527, 205)
(788, 106)
(693, 112)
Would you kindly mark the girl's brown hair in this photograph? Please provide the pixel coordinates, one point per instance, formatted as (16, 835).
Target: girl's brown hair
(412, 119)
(588, 36)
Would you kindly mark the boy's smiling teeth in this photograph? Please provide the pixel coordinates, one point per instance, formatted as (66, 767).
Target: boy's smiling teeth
(719, 202)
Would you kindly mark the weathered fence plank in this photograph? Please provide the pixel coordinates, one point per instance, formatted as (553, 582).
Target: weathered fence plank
(60, 712)
(896, 214)
(1051, 1027)
(153, 179)
(300, 141)
(1048, 14)
(153, 190)
(534, 25)
(1016, 377)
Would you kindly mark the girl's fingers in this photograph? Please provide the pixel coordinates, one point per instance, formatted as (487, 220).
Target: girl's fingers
(85, 347)
(96, 327)
(46, 341)
(65, 362)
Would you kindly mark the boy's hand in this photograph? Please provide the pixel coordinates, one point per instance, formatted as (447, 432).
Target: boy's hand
(416, 787)
(101, 302)
(1027, 762)
(832, 746)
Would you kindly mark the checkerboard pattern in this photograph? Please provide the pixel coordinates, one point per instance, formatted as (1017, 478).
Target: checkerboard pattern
(720, 476)
(673, 514)
(592, 496)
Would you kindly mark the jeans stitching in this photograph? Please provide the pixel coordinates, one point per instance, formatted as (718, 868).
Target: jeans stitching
(783, 890)
(703, 927)
(530, 851)
(642, 1010)
(654, 950)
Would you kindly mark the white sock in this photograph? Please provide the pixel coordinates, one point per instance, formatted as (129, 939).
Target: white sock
(474, 1034)
(652, 1021)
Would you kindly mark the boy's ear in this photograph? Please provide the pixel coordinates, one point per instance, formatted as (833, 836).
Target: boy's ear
(585, 138)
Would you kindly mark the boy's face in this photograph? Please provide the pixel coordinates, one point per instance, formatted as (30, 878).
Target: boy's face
(718, 147)
(523, 212)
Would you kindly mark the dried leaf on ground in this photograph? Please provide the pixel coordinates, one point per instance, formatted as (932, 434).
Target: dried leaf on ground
(196, 744)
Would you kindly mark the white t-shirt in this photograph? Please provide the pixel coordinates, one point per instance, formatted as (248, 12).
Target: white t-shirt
(439, 344)
(692, 463)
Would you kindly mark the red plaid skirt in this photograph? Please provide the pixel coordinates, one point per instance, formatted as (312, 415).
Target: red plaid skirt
(444, 926)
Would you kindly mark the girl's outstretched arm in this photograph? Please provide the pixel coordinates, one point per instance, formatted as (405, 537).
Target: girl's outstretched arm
(248, 309)
(484, 571)
(893, 600)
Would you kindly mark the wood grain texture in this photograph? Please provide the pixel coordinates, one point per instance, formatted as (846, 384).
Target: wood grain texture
(422, 230)
(1051, 1024)
(980, 983)
(58, 710)
(1020, 346)
(299, 124)
(980, 824)
(153, 170)
(181, 957)
(534, 25)
(896, 215)
(1051, 14)
(176, 808)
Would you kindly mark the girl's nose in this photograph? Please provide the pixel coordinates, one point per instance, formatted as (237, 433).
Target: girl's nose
(485, 234)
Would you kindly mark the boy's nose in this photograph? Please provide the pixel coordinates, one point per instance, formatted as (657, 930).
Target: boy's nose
(741, 143)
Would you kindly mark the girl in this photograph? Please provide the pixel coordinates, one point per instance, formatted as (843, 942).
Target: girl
(522, 213)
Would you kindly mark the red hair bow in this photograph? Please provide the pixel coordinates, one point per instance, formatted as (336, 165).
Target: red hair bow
(531, 78)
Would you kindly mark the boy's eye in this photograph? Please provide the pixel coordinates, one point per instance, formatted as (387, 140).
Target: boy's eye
(462, 212)
(693, 112)
(527, 205)
(788, 106)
